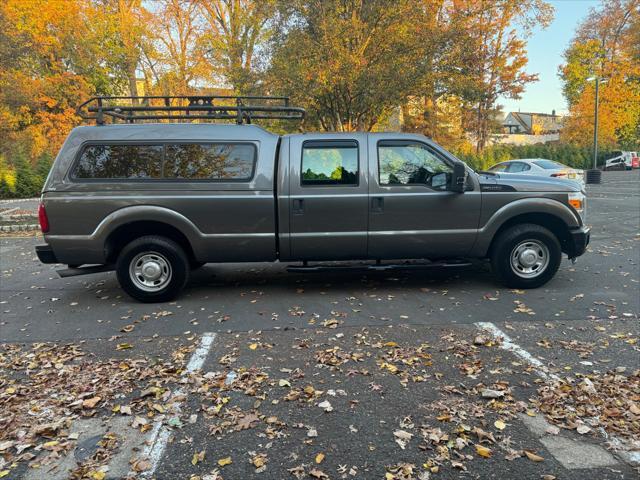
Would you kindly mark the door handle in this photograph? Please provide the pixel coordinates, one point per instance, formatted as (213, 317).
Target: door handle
(377, 204)
(298, 205)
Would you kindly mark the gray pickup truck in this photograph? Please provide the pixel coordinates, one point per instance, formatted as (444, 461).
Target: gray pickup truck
(154, 200)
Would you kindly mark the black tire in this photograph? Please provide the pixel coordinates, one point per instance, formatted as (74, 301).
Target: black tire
(171, 261)
(530, 238)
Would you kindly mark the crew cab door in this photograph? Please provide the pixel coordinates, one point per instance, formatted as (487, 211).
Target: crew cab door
(328, 197)
(411, 212)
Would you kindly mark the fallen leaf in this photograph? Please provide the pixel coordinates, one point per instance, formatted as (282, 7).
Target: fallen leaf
(402, 438)
(223, 462)
(582, 429)
(552, 430)
(197, 457)
(319, 458)
(499, 424)
(483, 451)
(488, 393)
(533, 457)
(90, 402)
(315, 473)
(141, 465)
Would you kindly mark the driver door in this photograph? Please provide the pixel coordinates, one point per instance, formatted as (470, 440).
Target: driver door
(411, 212)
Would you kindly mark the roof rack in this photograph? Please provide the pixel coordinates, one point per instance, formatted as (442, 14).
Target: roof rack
(242, 109)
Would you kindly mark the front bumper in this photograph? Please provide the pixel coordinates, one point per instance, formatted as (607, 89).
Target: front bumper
(45, 254)
(578, 241)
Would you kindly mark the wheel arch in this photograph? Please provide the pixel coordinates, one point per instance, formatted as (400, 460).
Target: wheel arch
(551, 222)
(546, 212)
(127, 232)
(126, 224)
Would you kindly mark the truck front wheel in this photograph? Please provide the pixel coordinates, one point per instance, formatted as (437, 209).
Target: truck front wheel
(526, 256)
(152, 269)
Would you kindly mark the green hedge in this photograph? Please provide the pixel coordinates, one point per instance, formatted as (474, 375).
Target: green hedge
(578, 157)
(21, 178)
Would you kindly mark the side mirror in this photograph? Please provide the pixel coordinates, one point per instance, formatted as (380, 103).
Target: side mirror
(458, 178)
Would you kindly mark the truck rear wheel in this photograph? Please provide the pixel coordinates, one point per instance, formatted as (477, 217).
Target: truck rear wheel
(152, 269)
(526, 256)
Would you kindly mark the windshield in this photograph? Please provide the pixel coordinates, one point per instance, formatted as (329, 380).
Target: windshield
(548, 164)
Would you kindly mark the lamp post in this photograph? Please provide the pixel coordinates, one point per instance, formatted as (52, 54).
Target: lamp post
(594, 175)
(595, 125)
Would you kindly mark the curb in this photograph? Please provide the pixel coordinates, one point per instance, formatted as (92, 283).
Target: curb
(12, 217)
(19, 228)
(16, 200)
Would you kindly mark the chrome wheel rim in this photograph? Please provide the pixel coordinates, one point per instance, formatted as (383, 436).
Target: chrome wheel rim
(150, 271)
(529, 259)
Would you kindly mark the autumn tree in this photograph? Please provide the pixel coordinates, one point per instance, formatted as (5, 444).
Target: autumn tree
(125, 27)
(183, 60)
(44, 73)
(349, 62)
(607, 46)
(495, 41)
(236, 31)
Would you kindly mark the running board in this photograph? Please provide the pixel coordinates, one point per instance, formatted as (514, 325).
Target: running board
(73, 272)
(375, 267)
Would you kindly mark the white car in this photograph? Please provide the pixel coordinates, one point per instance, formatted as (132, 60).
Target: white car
(540, 167)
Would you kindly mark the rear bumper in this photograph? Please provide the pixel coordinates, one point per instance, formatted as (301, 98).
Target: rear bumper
(45, 254)
(578, 241)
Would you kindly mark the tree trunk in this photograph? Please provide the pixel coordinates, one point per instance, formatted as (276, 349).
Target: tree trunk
(131, 76)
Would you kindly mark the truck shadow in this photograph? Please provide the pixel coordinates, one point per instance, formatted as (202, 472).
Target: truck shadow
(275, 276)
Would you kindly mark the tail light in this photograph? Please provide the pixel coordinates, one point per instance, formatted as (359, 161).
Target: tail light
(42, 217)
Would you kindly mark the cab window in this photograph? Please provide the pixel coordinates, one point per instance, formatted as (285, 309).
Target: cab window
(329, 163)
(412, 163)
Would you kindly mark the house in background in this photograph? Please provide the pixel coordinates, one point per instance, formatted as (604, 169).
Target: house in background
(530, 123)
(529, 128)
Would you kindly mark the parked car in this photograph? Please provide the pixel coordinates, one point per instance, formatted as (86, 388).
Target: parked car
(620, 160)
(540, 167)
(153, 201)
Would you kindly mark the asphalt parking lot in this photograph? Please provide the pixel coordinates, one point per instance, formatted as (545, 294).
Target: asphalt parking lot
(258, 373)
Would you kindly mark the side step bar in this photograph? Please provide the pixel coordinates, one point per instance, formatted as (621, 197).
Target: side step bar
(376, 267)
(74, 272)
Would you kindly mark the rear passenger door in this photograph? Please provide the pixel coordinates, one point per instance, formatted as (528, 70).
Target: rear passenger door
(328, 197)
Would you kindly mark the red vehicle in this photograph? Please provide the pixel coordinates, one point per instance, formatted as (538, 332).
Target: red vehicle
(635, 160)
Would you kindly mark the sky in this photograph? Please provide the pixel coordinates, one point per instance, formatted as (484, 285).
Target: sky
(545, 49)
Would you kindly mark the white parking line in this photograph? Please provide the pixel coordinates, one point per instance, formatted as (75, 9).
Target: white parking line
(630, 456)
(160, 434)
(509, 345)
